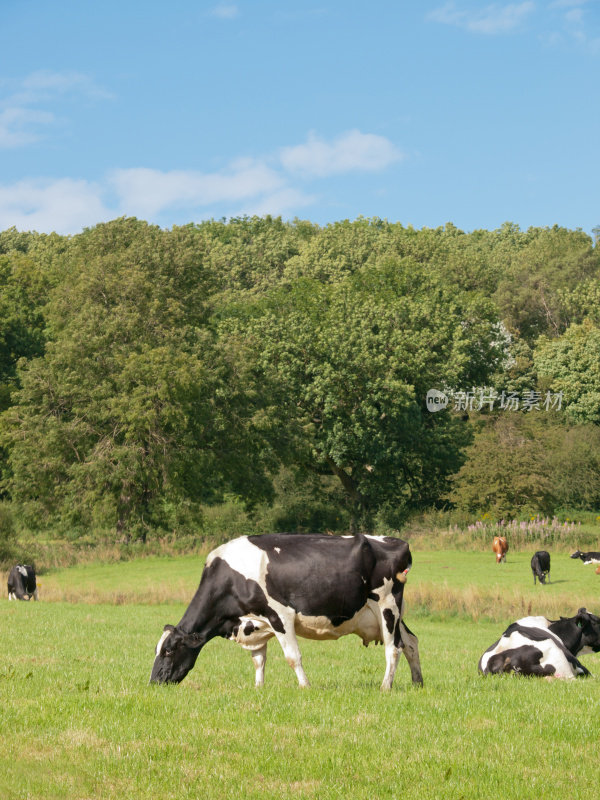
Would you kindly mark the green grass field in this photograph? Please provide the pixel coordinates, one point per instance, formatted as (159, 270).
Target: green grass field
(78, 720)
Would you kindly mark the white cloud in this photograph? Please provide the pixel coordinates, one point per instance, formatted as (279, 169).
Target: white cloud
(575, 26)
(351, 151)
(18, 126)
(225, 11)
(492, 19)
(45, 82)
(65, 205)
(575, 15)
(145, 191)
(22, 120)
(246, 186)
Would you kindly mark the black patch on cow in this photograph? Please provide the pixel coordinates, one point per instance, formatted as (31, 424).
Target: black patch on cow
(388, 616)
(582, 630)
(397, 635)
(330, 576)
(249, 628)
(524, 660)
(222, 597)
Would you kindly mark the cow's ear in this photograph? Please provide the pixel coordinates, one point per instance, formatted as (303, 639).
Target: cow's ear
(582, 617)
(192, 640)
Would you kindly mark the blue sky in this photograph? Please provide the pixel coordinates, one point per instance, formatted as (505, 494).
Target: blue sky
(417, 112)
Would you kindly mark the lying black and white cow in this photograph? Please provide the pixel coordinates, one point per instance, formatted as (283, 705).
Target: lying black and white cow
(587, 558)
(539, 646)
(289, 585)
(22, 583)
(540, 566)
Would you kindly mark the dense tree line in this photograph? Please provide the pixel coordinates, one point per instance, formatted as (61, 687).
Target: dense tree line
(149, 375)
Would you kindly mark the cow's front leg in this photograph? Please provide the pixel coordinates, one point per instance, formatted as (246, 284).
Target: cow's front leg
(411, 651)
(259, 657)
(392, 654)
(289, 645)
(390, 634)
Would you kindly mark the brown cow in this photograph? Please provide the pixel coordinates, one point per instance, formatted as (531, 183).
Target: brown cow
(500, 547)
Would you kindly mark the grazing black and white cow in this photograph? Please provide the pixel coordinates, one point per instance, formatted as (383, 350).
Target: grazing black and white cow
(540, 566)
(22, 584)
(289, 585)
(587, 558)
(539, 646)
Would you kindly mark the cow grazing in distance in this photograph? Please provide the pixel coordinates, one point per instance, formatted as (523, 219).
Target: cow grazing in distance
(540, 566)
(289, 585)
(500, 548)
(22, 583)
(539, 646)
(587, 558)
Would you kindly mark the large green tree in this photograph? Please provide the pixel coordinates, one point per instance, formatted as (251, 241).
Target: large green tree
(349, 364)
(133, 407)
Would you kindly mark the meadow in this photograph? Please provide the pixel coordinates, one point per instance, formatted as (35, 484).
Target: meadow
(79, 721)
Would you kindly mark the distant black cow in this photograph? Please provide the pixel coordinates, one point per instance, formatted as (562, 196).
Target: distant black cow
(540, 566)
(22, 583)
(290, 585)
(587, 558)
(539, 646)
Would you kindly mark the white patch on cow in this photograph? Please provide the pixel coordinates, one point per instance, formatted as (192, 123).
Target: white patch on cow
(385, 591)
(592, 561)
(161, 641)
(277, 549)
(244, 557)
(22, 570)
(535, 622)
(258, 637)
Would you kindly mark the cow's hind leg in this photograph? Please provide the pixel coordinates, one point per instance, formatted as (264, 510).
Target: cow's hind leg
(259, 657)
(411, 651)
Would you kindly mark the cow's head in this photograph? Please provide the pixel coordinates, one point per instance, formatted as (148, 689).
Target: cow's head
(590, 631)
(576, 554)
(176, 654)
